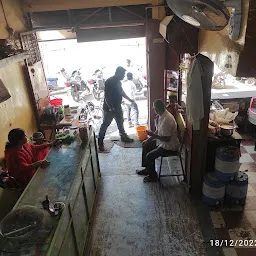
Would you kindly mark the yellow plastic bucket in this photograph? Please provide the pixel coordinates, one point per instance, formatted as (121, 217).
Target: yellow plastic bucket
(141, 132)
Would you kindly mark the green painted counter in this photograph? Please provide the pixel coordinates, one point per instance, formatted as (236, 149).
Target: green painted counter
(72, 177)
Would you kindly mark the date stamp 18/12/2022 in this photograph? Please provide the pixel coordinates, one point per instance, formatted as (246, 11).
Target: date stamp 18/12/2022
(233, 243)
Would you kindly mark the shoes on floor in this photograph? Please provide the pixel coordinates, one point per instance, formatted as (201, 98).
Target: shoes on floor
(101, 148)
(126, 139)
(101, 145)
(150, 178)
(142, 172)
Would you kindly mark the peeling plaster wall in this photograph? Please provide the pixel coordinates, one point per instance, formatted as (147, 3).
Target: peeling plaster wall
(14, 15)
(16, 111)
(217, 45)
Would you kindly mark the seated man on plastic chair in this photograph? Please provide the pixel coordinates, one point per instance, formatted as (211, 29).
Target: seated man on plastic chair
(163, 142)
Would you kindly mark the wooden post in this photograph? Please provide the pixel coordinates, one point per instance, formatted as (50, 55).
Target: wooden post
(156, 51)
(199, 138)
(179, 96)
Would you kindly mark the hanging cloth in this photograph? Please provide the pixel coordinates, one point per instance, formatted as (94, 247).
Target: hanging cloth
(195, 103)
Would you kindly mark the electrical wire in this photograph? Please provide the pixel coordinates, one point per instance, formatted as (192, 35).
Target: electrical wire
(4, 13)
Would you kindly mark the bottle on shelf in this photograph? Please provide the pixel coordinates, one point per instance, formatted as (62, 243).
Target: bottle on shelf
(67, 111)
(83, 133)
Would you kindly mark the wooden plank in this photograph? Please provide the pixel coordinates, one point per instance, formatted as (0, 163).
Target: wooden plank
(15, 58)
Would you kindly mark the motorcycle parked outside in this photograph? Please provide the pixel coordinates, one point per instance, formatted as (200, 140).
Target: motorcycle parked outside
(98, 83)
(94, 114)
(140, 80)
(79, 87)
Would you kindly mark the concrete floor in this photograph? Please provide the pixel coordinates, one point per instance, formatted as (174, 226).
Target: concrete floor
(135, 218)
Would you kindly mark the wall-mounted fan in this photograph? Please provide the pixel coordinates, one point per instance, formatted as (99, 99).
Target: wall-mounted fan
(210, 14)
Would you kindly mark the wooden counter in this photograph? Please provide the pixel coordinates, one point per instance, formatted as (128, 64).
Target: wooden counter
(72, 178)
(72, 120)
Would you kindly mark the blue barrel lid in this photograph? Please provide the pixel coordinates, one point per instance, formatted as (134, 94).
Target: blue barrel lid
(228, 154)
(240, 179)
(210, 179)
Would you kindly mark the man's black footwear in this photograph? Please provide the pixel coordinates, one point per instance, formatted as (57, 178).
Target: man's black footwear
(126, 139)
(131, 125)
(101, 145)
(142, 172)
(150, 178)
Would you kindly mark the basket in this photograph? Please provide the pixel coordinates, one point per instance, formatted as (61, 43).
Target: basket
(56, 102)
(141, 132)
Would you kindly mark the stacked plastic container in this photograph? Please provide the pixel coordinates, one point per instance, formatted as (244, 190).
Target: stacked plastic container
(213, 190)
(227, 163)
(226, 182)
(236, 189)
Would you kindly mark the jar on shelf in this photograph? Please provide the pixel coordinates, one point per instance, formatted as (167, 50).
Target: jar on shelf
(67, 111)
(83, 133)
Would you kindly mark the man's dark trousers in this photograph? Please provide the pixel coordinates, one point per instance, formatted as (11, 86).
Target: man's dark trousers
(150, 152)
(108, 118)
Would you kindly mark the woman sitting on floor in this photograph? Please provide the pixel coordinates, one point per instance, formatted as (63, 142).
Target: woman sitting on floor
(21, 157)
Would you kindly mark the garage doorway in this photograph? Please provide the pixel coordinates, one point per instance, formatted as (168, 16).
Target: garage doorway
(65, 60)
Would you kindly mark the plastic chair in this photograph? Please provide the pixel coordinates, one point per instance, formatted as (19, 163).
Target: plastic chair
(182, 128)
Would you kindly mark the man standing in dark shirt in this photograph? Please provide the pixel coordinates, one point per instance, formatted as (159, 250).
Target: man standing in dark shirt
(112, 107)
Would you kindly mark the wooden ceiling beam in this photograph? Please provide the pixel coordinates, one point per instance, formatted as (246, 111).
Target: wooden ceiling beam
(56, 5)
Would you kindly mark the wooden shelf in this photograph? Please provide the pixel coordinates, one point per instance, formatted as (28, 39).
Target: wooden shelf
(15, 58)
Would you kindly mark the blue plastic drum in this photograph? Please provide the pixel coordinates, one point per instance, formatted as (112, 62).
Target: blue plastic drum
(227, 163)
(213, 190)
(236, 191)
